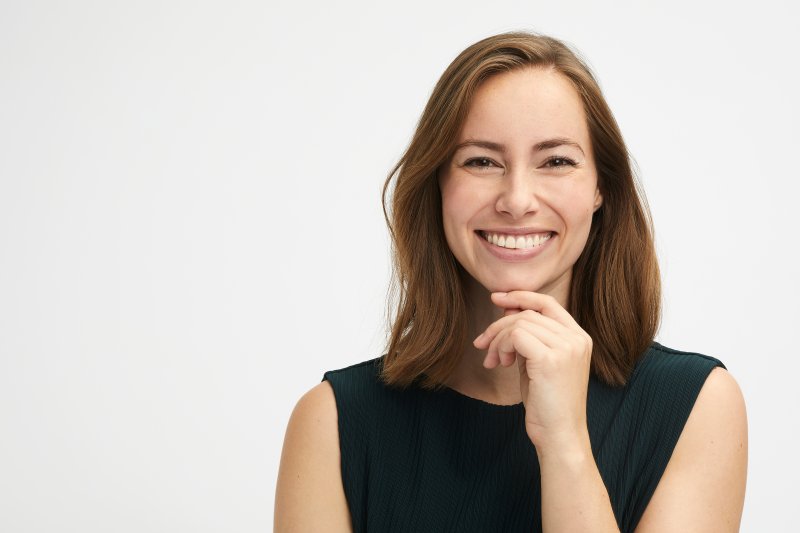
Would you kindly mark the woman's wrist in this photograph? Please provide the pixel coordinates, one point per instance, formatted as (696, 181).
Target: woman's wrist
(569, 449)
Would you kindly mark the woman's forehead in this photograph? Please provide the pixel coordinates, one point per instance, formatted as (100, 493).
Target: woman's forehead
(526, 105)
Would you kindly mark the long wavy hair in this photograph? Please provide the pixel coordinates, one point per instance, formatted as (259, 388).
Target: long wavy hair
(615, 292)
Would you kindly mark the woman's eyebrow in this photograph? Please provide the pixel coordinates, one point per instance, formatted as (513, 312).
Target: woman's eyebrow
(543, 145)
(555, 143)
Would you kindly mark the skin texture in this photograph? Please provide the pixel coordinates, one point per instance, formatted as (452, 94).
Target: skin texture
(310, 495)
(528, 348)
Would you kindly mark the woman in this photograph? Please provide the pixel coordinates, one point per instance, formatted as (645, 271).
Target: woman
(521, 389)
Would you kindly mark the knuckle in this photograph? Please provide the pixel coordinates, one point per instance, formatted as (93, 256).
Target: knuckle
(517, 334)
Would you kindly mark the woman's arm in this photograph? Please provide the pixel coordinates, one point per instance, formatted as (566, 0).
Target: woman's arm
(574, 497)
(310, 495)
(703, 486)
(553, 354)
(702, 489)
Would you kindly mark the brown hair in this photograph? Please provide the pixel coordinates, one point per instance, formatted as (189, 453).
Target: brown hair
(615, 293)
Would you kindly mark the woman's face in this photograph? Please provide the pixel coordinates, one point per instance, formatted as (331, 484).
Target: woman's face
(519, 192)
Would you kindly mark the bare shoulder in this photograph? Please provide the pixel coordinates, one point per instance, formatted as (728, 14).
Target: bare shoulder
(309, 495)
(315, 418)
(703, 486)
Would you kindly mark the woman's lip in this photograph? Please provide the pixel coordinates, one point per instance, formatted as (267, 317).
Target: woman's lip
(515, 254)
(515, 231)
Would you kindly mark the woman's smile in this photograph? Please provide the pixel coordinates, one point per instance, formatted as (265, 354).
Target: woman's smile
(515, 246)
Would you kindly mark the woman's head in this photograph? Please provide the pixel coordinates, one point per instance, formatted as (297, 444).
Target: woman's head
(611, 275)
(520, 189)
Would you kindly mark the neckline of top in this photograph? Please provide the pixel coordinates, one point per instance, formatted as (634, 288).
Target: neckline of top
(481, 403)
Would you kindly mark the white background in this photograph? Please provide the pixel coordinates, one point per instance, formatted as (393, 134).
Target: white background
(191, 232)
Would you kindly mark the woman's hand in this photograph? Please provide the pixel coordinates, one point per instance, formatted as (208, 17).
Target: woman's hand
(553, 354)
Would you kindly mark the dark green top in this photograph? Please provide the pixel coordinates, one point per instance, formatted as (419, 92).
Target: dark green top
(416, 460)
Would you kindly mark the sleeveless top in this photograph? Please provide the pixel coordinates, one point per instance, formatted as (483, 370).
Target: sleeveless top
(416, 460)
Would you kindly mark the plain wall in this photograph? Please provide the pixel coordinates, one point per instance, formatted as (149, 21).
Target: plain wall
(191, 231)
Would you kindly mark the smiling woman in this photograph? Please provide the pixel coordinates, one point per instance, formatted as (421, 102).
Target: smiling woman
(516, 222)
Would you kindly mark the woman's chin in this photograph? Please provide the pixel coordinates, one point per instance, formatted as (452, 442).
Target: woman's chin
(512, 281)
(511, 285)
(511, 288)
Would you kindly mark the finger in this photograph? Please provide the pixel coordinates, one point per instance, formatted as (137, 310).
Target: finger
(502, 351)
(519, 343)
(485, 338)
(494, 356)
(506, 353)
(549, 338)
(543, 303)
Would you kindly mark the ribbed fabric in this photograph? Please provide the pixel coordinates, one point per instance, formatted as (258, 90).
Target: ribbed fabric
(418, 461)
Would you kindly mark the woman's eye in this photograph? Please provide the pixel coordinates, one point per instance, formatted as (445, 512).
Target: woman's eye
(559, 161)
(479, 162)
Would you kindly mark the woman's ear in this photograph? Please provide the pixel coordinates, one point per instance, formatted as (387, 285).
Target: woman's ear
(598, 199)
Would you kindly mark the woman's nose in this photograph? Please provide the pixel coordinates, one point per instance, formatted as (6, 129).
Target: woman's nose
(517, 195)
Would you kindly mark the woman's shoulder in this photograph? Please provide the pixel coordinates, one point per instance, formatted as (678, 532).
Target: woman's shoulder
(673, 402)
(309, 469)
(664, 353)
(314, 420)
(709, 459)
(357, 386)
(662, 364)
(366, 371)
(669, 381)
(316, 414)
(704, 379)
(663, 379)
(671, 387)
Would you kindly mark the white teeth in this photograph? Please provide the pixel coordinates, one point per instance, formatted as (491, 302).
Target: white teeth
(519, 242)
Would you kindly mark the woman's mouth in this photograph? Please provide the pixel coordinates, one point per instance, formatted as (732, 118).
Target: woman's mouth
(516, 242)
